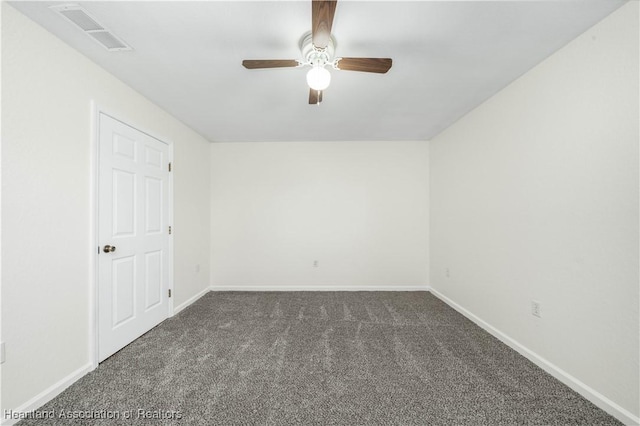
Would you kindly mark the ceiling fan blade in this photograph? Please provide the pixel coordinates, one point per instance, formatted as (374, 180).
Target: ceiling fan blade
(379, 65)
(322, 12)
(315, 96)
(253, 64)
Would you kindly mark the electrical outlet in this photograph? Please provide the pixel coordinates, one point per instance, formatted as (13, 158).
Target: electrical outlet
(2, 352)
(315, 263)
(447, 273)
(198, 267)
(535, 309)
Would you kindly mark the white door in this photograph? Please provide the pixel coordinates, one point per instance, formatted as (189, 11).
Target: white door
(133, 234)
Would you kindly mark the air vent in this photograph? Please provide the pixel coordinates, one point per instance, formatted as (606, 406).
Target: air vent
(108, 40)
(90, 26)
(81, 19)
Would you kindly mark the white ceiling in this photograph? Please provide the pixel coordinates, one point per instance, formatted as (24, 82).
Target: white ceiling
(448, 57)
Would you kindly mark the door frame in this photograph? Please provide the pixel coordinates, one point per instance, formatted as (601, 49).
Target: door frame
(96, 110)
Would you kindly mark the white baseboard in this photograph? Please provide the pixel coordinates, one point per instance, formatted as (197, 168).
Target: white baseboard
(587, 392)
(47, 395)
(190, 300)
(317, 288)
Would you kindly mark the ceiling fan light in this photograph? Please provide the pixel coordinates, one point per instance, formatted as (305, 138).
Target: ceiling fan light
(318, 78)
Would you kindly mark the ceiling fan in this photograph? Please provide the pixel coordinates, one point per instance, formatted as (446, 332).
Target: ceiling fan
(317, 49)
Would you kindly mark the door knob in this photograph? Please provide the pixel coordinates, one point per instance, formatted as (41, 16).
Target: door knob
(109, 249)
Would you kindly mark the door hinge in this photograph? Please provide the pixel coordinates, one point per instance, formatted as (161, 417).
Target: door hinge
(169, 292)
(169, 230)
(169, 166)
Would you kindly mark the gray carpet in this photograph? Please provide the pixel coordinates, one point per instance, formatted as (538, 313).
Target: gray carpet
(350, 358)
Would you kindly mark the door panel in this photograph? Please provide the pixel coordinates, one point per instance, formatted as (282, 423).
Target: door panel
(123, 284)
(124, 147)
(124, 203)
(153, 284)
(133, 209)
(153, 205)
(153, 157)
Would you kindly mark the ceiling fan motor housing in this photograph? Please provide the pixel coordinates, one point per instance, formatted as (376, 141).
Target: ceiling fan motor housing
(315, 56)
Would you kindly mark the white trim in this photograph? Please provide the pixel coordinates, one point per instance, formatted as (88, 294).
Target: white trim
(93, 235)
(48, 394)
(586, 391)
(318, 288)
(428, 221)
(190, 300)
(170, 221)
(96, 110)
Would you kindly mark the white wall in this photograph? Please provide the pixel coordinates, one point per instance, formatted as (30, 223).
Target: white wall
(534, 195)
(358, 208)
(47, 205)
(1, 340)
